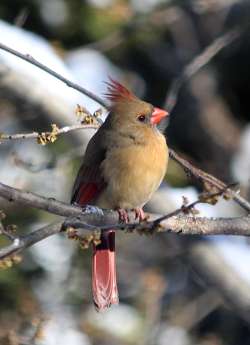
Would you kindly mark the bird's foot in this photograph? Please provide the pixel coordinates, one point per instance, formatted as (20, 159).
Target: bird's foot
(123, 215)
(88, 208)
(139, 214)
(92, 209)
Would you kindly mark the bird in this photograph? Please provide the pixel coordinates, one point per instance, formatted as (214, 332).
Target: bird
(124, 164)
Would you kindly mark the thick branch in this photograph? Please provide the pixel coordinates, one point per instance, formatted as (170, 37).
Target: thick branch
(34, 200)
(179, 224)
(93, 219)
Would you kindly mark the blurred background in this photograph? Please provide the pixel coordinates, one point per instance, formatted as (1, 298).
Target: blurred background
(173, 290)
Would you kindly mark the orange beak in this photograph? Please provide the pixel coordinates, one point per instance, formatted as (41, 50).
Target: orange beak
(157, 115)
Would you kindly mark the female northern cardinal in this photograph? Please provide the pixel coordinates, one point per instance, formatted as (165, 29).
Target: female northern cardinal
(124, 164)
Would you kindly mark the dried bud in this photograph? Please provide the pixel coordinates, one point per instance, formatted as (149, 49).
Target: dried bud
(9, 261)
(48, 137)
(12, 228)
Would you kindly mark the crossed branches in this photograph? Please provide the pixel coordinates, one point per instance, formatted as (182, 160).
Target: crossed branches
(85, 224)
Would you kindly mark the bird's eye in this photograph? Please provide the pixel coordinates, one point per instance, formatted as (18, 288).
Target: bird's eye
(141, 118)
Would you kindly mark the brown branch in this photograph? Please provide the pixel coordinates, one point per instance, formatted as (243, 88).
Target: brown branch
(188, 167)
(193, 67)
(6, 233)
(31, 60)
(184, 225)
(50, 205)
(91, 220)
(197, 63)
(22, 242)
(210, 179)
(37, 135)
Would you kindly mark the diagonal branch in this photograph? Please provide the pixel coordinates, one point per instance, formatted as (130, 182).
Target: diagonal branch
(50, 205)
(197, 63)
(30, 59)
(193, 67)
(92, 220)
(22, 242)
(209, 179)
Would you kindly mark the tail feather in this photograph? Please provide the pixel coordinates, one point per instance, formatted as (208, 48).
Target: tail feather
(104, 283)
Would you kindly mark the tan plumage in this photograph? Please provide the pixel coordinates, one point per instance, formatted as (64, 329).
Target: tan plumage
(124, 164)
(129, 157)
(134, 171)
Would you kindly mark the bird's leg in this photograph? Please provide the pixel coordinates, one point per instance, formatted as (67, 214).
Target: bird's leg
(139, 214)
(123, 215)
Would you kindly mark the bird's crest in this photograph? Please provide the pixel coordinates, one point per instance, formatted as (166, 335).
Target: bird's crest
(117, 92)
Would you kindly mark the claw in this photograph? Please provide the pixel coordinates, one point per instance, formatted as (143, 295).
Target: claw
(123, 215)
(139, 214)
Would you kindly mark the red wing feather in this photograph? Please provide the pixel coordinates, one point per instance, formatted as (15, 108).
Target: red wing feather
(88, 185)
(86, 193)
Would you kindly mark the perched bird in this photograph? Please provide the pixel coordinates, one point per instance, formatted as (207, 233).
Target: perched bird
(124, 164)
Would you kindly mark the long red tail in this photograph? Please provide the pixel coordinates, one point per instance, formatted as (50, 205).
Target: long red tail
(104, 284)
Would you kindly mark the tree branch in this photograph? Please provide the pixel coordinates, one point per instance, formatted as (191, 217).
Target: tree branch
(93, 219)
(197, 63)
(193, 67)
(50, 205)
(22, 242)
(206, 178)
(41, 135)
(89, 221)
(30, 59)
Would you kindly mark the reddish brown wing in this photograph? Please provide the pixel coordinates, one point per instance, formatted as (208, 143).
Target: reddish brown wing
(88, 185)
(89, 182)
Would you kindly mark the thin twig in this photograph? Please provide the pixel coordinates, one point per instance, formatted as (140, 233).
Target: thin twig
(183, 224)
(36, 135)
(197, 63)
(193, 67)
(30, 59)
(22, 242)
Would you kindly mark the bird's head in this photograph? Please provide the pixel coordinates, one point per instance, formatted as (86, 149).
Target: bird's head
(127, 109)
